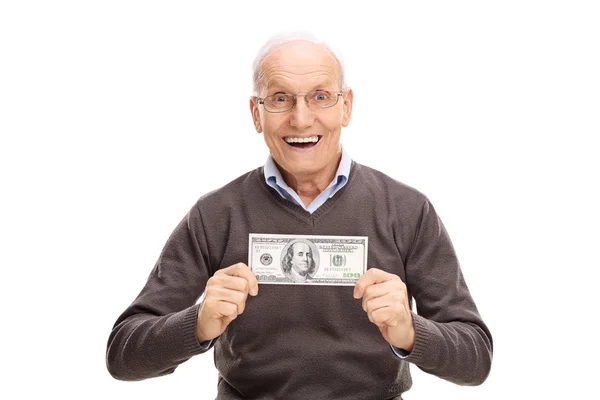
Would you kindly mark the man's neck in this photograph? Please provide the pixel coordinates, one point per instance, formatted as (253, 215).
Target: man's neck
(309, 186)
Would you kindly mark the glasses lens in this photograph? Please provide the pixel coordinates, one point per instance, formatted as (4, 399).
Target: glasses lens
(322, 98)
(279, 102)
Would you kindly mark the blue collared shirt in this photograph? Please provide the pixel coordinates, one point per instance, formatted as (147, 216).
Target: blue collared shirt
(275, 180)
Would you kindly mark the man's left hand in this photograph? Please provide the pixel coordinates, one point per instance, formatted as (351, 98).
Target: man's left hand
(385, 300)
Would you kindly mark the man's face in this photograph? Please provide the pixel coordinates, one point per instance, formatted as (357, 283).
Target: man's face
(302, 257)
(300, 67)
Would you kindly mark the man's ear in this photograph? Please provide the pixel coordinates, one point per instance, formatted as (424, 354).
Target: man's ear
(348, 98)
(254, 110)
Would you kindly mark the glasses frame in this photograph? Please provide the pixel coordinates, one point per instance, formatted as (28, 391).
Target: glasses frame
(261, 100)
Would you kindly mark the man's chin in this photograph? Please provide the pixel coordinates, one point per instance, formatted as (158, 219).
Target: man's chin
(301, 270)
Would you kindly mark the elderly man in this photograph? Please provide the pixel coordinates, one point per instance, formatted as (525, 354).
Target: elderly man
(328, 342)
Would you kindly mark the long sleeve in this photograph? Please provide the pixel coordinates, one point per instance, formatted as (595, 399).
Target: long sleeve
(157, 332)
(451, 341)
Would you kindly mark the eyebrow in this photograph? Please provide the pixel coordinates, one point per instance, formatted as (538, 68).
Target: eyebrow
(277, 85)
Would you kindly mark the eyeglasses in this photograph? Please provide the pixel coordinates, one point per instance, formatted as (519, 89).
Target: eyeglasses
(315, 100)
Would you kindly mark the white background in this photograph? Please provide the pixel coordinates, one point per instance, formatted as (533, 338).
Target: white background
(116, 116)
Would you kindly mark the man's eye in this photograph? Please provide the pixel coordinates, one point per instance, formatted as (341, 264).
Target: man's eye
(280, 98)
(321, 96)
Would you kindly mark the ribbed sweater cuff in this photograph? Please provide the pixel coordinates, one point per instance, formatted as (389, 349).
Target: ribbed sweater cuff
(188, 325)
(419, 350)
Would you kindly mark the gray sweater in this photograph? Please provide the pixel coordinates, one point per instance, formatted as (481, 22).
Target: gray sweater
(302, 341)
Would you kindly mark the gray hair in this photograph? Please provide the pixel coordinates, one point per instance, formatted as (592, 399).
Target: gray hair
(280, 39)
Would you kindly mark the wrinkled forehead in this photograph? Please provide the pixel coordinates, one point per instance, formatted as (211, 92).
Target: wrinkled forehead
(301, 247)
(300, 65)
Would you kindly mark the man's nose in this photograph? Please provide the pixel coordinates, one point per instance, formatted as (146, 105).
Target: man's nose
(302, 117)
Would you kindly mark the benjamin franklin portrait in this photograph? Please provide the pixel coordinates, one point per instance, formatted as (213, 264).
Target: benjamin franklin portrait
(300, 261)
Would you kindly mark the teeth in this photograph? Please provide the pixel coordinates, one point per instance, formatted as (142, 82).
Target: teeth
(312, 139)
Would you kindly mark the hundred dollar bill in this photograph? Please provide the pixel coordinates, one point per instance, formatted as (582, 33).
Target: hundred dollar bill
(307, 260)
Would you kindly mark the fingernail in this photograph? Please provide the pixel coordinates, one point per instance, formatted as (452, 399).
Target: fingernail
(254, 291)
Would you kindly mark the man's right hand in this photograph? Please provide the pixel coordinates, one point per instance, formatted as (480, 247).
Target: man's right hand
(224, 299)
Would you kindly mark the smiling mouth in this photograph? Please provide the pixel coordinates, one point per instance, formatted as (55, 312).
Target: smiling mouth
(302, 142)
